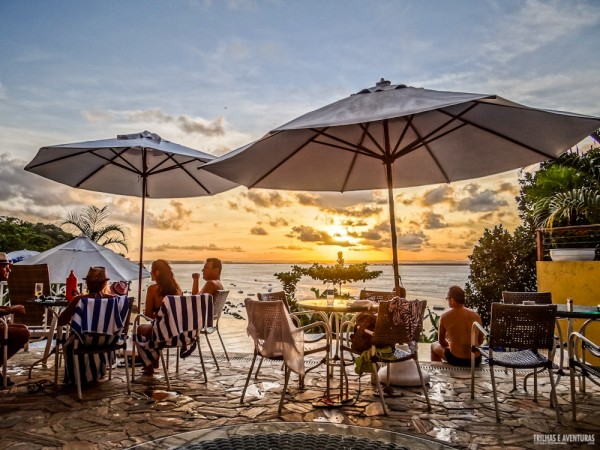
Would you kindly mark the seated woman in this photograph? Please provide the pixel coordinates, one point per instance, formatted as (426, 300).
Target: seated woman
(166, 284)
(92, 367)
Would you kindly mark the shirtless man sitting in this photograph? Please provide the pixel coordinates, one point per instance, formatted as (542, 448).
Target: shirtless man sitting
(211, 272)
(454, 345)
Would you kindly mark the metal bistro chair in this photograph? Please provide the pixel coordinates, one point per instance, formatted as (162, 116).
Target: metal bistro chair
(177, 325)
(391, 329)
(277, 338)
(522, 330)
(219, 304)
(582, 347)
(540, 298)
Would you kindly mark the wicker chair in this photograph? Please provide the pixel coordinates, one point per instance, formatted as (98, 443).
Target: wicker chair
(376, 296)
(21, 289)
(313, 336)
(582, 347)
(388, 333)
(219, 304)
(522, 330)
(267, 321)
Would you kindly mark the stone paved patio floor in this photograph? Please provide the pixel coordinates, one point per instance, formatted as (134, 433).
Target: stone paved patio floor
(110, 418)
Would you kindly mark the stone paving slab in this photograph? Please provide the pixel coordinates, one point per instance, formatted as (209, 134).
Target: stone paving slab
(109, 418)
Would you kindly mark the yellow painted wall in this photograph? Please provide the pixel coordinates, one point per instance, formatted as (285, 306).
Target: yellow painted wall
(579, 280)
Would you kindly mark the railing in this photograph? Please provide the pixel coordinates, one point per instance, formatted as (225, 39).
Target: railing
(582, 236)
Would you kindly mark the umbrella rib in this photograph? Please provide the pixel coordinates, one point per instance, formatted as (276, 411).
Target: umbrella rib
(180, 165)
(401, 138)
(276, 166)
(417, 143)
(358, 148)
(109, 161)
(435, 160)
(501, 136)
(352, 163)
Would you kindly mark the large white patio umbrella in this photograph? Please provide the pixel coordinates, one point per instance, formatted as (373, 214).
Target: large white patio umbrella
(393, 136)
(79, 255)
(140, 165)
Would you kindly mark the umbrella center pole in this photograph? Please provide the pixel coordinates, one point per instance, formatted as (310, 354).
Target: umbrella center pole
(397, 282)
(139, 299)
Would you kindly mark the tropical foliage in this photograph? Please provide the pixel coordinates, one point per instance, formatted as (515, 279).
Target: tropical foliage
(340, 274)
(337, 274)
(17, 234)
(90, 222)
(564, 192)
(500, 261)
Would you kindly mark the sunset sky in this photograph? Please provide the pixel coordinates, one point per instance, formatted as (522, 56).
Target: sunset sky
(216, 75)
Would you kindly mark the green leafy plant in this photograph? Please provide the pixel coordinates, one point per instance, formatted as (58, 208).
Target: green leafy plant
(90, 222)
(432, 334)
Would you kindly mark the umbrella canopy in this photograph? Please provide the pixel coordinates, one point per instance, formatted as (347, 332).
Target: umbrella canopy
(140, 164)
(397, 136)
(79, 255)
(20, 255)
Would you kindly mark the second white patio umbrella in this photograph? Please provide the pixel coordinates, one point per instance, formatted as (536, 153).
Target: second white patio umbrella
(79, 255)
(391, 136)
(140, 165)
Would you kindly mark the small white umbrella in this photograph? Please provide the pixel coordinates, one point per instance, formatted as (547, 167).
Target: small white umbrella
(79, 255)
(20, 255)
(139, 164)
(391, 136)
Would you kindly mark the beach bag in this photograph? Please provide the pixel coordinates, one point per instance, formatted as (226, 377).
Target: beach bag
(361, 340)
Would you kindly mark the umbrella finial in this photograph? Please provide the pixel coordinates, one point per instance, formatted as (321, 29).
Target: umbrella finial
(383, 82)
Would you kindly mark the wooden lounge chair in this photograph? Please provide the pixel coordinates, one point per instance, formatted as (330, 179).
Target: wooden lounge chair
(21, 289)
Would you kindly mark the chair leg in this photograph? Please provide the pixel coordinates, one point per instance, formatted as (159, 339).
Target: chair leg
(77, 373)
(472, 375)
(127, 370)
(287, 372)
(573, 393)
(258, 368)
(514, 372)
(553, 396)
(132, 362)
(162, 360)
(248, 377)
(109, 364)
(495, 393)
(4, 362)
(378, 386)
(222, 344)
(535, 384)
(425, 391)
(201, 358)
(177, 361)
(212, 352)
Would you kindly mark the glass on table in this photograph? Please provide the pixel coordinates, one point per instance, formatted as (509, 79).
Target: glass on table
(330, 295)
(39, 289)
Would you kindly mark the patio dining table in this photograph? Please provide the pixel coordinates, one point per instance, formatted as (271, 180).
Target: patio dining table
(336, 310)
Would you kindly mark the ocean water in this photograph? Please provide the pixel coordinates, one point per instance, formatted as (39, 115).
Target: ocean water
(425, 282)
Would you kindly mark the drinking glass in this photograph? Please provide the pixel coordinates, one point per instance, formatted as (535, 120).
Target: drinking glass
(39, 289)
(330, 296)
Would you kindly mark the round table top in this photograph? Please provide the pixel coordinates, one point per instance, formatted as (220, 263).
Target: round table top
(339, 305)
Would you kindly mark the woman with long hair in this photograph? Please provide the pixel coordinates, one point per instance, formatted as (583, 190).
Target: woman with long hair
(165, 284)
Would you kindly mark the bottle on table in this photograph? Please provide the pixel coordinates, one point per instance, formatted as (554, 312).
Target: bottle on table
(71, 288)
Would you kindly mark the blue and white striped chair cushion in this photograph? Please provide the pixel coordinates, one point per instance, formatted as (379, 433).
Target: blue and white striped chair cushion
(176, 325)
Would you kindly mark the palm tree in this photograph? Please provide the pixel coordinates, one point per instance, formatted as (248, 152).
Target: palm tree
(577, 201)
(88, 222)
